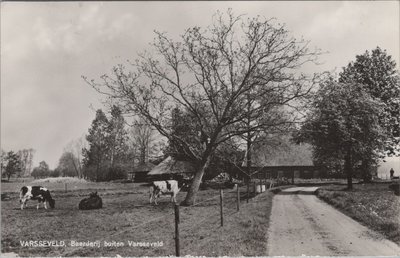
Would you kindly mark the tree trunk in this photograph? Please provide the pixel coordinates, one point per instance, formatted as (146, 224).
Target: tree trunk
(76, 169)
(143, 155)
(348, 168)
(248, 159)
(366, 170)
(249, 143)
(80, 169)
(97, 171)
(194, 188)
(112, 157)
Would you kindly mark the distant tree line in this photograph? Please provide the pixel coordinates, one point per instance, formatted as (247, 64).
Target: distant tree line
(113, 147)
(17, 164)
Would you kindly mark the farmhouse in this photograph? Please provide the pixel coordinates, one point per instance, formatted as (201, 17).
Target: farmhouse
(286, 160)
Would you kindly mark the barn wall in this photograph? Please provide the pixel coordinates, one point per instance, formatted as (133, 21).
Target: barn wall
(304, 172)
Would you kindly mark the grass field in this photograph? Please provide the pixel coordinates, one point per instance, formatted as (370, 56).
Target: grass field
(373, 205)
(127, 216)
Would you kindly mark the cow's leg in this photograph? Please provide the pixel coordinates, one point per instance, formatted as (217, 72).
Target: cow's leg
(151, 194)
(45, 204)
(37, 206)
(22, 204)
(173, 199)
(156, 195)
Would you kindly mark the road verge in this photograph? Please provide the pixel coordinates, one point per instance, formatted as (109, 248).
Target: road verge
(373, 205)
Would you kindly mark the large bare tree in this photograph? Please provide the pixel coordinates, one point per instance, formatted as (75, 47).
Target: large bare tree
(214, 74)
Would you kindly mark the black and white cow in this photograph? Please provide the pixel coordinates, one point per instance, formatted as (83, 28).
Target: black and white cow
(171, 187)
(35, 193)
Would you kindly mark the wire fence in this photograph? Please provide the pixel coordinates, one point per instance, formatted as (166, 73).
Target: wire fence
(231, 200)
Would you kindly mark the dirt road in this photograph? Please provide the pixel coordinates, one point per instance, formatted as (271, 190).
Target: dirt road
(303, 224)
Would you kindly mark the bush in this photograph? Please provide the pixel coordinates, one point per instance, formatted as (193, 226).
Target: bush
(105, 174)
(116, 173)
(89, 172)
(54, 173)
(40, 173)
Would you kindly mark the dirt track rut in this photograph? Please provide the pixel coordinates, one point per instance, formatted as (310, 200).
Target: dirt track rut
(301, 224)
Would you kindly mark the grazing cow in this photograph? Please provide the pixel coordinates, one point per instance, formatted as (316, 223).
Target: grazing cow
(35, 193)
(171, 187)
(93, 202)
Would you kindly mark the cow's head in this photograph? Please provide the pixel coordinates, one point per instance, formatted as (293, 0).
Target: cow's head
(183, 183)
(22, 193)
(93, 194)
(52, 203)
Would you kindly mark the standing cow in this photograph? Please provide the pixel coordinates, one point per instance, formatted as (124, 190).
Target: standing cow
(171, 187)
(35, 193)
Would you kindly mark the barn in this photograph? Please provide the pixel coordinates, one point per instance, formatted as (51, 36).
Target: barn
(139, 173)
(171, 168)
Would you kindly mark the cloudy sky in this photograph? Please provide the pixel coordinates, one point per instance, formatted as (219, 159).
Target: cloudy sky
(47, 47)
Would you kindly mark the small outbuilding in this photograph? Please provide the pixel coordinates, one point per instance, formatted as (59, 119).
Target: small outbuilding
(171, 168)
(139, 173)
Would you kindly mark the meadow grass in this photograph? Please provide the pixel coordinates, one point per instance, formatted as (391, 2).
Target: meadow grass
(373, 205)
(127, 216)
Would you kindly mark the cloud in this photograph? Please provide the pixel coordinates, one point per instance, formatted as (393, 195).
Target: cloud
(89, 13)
(345, 18)
(118, 26)
(44, 37)
(349, 28)
(75, 32)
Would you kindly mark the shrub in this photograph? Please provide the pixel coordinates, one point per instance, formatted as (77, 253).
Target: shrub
(54, 173)
(116, 173)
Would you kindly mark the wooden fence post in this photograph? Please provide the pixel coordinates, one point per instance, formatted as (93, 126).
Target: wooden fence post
(237, 197)
(248, 191)
(66, 188)
(221, 203)
(177, 247)
(293, 177)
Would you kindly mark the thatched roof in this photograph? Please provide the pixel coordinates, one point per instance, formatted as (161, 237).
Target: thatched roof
(173, 166)
(286, 153)
(143, 167)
